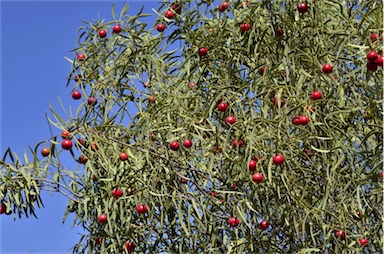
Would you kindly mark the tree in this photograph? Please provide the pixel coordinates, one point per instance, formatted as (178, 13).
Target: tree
(257, 130)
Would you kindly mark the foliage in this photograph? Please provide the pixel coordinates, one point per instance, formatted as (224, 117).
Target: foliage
(330, 178)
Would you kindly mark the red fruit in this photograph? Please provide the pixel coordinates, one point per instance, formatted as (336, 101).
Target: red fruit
(252, 165)
(77, 77)
(160, 27)
(303, 120)
(234, 186)
(130, 246)
(76, 95)
(169, 14)
(202, 51)
(261, 70)
(233, 222)
(94, 178)
(83, 159)
(92, 101)
(222, 107)
(45, 152)
(374, 37)
(327, 68)
(187, 143)
(245, 27)
(340, 234)
(142, 208)
(279, 32)
(213, 194)
(192, 84)
(176, 8)
(117, 193)
(276, 103)
(102, 218)
(123, 156)
(302, 7)
(223, 6)
(65, 134)
(151, 98)
(372, 56)
(81, 57)
(2, 209)
(116, 29)
(316, 95)
(102, 33)
(174, 145)
(230, 119)
(264, 225)
(278, 159)
(183, 180)
(296, 120)
(257, 177)
(379, 61)
(237, 143)
(66, 144)
(99, 240)
(363, 241)
(371, 66)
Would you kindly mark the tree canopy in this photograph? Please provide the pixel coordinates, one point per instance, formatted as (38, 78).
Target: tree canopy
(221, 127)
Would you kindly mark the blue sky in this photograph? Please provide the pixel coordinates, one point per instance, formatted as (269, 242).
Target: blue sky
(35, 37)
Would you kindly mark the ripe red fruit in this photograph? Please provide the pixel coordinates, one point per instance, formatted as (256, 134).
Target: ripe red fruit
(374, 37)
(316, 95)
(372, 56)
(65, 134)
(176, 8)
(257, 177)
(302, 7)
(66, 144)
(234, 186)
(261, 70)
(222, 107)
(81, 57)
(116, 29)
(92, 101)
(123, 156)
(230, 119)
(187, 143)
(174, 145)
(45, 152)
(296, 120)
(83, 159)
(2, 208)
(363, 241)
(303, 120)
(340, 234)
(183, 180)
(102, 218)
(117, 193)
(160, 27)
(99, 240)
(202, 51)
(327, 68)
(252, 165)
(192, 84)
(236, 143)
(245, 27)
(94, 178)
(102, 33)
(76, 95)
(213, 194)
(233, 222)
(223, 6)
(142, 208)
(379, 61)
(151, 98)
(169, 14)
(130, 246)
(371, 66)
(278, 159)
(276, 103)
(279, 32)
(264, 225)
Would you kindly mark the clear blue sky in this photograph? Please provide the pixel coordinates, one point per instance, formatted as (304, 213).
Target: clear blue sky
(35, 37)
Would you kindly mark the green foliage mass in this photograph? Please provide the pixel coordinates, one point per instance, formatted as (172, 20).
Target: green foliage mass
(153, 88)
